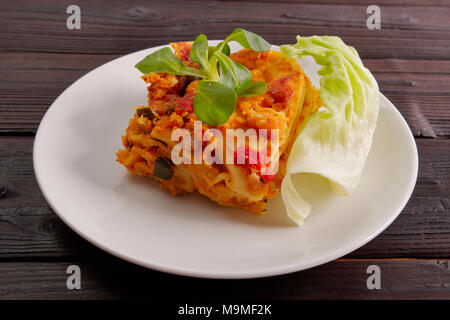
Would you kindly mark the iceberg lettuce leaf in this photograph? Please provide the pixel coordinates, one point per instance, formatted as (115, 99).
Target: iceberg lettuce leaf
(335, 141)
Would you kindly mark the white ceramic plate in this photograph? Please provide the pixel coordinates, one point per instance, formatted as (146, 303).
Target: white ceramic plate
(132, 218)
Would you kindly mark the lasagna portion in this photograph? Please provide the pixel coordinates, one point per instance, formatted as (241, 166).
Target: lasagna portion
(289, 100)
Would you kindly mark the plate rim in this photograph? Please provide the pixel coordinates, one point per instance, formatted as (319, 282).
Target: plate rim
(192, 272)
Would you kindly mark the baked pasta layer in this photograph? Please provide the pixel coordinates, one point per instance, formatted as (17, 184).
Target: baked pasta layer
(289, 100)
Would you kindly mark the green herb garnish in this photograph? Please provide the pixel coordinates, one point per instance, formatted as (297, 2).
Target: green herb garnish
(222, 78)
(214, 102)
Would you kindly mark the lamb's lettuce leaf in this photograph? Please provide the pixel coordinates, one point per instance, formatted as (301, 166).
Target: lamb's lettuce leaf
(335, 141)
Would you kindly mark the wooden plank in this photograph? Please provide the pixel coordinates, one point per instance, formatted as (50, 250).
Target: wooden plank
(343, 279)
(30, 82)
(30, 230)
(51, 61)
(408, 66)
(87, 62)
(381, 3)
(114, 27)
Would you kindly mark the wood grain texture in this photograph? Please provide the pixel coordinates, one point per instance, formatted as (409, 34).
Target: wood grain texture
(400, 279)
(30, 230)
(409, 32)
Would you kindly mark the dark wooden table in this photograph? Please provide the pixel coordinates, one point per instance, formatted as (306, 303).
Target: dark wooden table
(40, 57)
